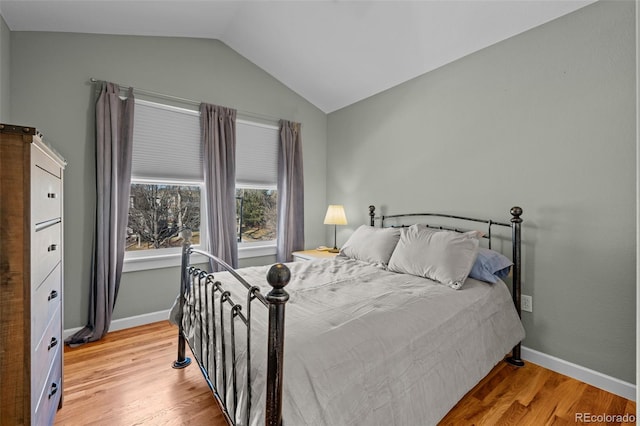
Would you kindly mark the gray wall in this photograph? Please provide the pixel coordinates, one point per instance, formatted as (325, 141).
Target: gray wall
(50, 90)
(546, 121)
(5, 82)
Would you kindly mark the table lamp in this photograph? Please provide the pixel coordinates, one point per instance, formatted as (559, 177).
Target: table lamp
(335, 216)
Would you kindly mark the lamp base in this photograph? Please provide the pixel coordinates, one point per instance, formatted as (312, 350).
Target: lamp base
(334, 250)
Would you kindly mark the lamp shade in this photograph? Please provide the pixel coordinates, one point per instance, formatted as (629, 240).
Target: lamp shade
(335, 215)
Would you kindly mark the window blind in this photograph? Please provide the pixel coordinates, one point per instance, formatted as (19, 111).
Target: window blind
(166, 143)
(256, 155)
(167, 146)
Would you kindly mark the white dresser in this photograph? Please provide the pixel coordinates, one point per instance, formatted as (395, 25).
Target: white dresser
(31, 302)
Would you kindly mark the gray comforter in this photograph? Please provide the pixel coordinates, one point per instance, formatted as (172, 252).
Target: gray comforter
(365, 346)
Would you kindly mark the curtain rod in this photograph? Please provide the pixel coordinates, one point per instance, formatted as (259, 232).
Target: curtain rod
(184, 100)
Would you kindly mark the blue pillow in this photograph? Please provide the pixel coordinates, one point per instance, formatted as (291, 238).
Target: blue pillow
(490, 266)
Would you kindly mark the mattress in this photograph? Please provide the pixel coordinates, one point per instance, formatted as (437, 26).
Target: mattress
(364, 346)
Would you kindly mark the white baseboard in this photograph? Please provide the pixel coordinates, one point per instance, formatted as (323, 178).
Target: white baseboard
(578, 372)
(122, 323)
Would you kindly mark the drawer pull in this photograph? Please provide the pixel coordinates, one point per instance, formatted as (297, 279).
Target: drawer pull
(43, 225)
(52, 195)
(52, 247)
(53, 390)
(52, 295)
(52, 344)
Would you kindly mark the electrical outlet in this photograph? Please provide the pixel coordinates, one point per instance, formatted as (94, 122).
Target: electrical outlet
(526, 303)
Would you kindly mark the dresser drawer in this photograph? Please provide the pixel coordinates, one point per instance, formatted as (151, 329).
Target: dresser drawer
(45, 302)
(44, 162)
(46, 196)
(46, 251)
(49, 395)
(45, 352)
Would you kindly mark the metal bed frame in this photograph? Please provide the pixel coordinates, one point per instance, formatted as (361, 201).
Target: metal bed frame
(210, 292)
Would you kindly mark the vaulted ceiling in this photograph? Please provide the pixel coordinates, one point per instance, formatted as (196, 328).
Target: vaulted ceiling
(332, 53)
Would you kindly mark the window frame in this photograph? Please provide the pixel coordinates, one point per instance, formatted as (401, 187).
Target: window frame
(170, 256)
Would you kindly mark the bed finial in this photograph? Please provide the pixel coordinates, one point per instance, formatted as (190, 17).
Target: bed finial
(278, 277)
(516, 212)
(372, 215)
(186, 235)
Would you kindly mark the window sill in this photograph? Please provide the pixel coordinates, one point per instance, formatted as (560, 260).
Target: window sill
(141, 263)
(254, 250)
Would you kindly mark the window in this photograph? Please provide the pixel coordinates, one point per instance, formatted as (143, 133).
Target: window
(168, 193)
(167, 185)
(256, 183)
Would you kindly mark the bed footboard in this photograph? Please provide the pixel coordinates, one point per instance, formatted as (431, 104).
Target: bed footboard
(207, 305)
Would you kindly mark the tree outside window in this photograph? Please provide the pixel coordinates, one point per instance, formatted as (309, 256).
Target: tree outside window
(157, 213)
(256, 214)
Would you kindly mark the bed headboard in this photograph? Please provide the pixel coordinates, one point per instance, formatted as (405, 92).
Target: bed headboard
(487, 224)
(515, 224)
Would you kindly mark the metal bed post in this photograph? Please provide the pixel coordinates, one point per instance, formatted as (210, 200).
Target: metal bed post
(278, 277)
(182, 361)
(372, 215)
(516, 222)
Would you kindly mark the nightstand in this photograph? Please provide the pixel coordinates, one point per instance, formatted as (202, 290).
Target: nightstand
(302, 256)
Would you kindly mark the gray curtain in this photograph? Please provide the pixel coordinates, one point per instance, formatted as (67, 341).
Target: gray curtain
(218, 132)
(290, 192)
(114, 147)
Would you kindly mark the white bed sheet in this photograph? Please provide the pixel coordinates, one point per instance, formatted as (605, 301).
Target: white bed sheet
(364, 346)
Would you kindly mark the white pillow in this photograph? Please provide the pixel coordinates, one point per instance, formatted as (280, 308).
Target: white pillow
(373, 245)
(443, 256)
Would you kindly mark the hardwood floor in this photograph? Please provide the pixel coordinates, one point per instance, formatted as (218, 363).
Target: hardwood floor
(126, 379)
(533, 395)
